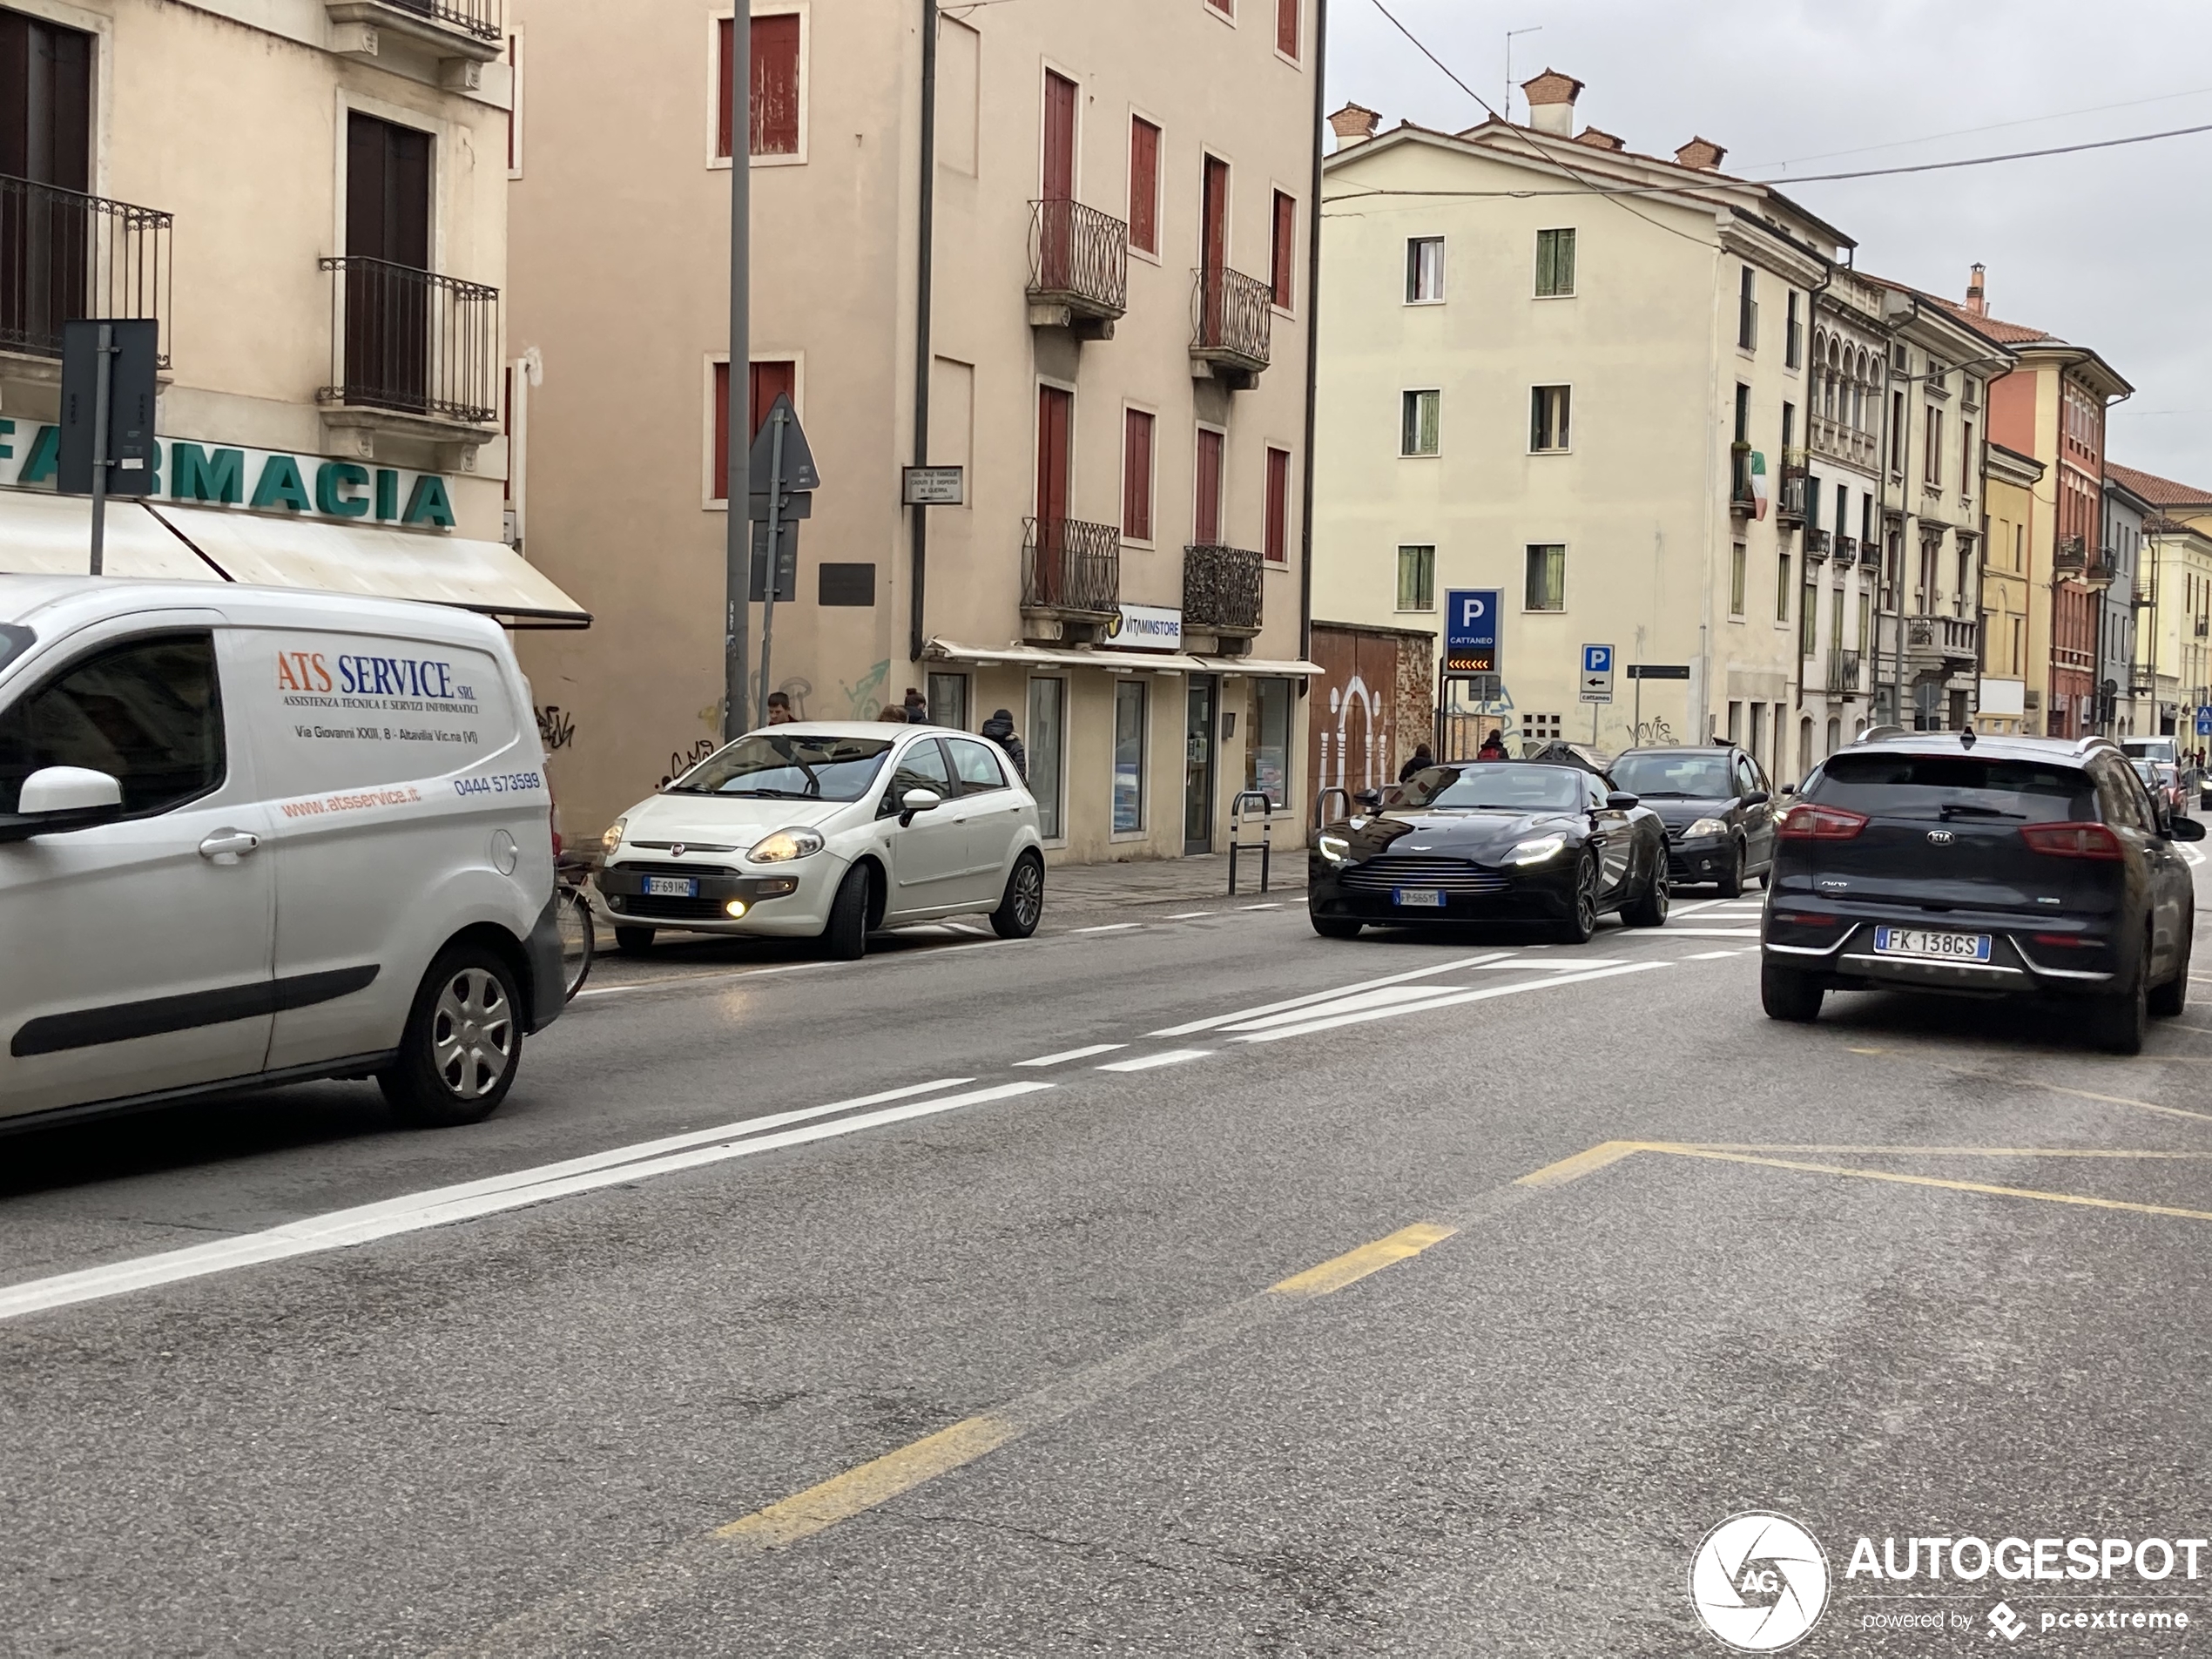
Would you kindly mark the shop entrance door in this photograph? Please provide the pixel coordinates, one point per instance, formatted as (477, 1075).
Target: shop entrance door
(1198, 765)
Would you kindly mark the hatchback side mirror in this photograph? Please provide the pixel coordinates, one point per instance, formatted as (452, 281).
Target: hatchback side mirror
(2187, 829)
(56, 799)
(1619, 801)
(918, 800)
(1759, 798)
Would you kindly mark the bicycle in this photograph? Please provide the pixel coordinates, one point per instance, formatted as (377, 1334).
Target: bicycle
(579, 930)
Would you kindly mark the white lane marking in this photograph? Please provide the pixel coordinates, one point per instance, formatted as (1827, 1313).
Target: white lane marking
(1702, 904)
(702, 979)
(1146, 1062)
(1108, 927)
(1189, 915)
(1391, 996)
(1710, 955)
(1323, 996)
(441, 1206)
(1555, 965)
(2194, 855)
(1072, 1054)
(1710, 932)
(1448, 1001)
(1273, 904)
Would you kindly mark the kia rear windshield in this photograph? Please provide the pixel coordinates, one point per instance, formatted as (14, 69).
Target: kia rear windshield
(1960, 788)
(14, 641)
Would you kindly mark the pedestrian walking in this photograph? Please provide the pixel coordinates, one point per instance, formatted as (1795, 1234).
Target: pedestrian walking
(1422, 758)
(1000, 730)
(917, 708)
(779, 709)
(1494, 747)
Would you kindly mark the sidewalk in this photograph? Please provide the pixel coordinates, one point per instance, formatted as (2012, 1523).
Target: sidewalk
(1154, 881)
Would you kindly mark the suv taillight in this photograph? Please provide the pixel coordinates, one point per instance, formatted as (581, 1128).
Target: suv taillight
(1807, 822)
(2073, 841)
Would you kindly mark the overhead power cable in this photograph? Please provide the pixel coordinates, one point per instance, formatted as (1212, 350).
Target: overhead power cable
(1993, 126)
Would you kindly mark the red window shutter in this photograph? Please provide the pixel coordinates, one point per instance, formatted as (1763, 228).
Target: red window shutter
(1285, 251)
(1286, 30)
(775, 85)
(1137, 477)
(1226, 8)
(1206, 531)
(725, 98)
(720, 466)
(1277, 544)
(1144, 185)
(768, 380)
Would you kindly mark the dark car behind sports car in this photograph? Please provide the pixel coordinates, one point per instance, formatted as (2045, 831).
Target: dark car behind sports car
(1716, 804)
(1491, 841)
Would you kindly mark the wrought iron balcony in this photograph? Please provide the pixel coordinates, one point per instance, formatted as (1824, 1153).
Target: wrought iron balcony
(2071, 557)
(1070, 569)
(1232, 315)
(1078, 268)
(1742, 500)
(2202, 627)
(1816, 542)
(471, 27)
(2145, 597)
(1846, 551)
(65, 256)
(1222, 589)
(2103, 568)
(413, 343)
(1789, 505)
(1845, 673)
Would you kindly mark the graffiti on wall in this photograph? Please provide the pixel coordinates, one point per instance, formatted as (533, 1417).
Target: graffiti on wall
(1352, 749)
(865, 700)
(555, 727)
(681, 761)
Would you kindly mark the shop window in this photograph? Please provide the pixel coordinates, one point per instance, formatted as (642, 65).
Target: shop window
(1047, 748)
(1130, 708)
(1267, 758)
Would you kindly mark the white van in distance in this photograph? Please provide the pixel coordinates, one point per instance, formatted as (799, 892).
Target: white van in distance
(251, 836)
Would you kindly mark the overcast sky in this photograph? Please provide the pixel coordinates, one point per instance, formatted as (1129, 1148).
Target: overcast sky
(2111, 249)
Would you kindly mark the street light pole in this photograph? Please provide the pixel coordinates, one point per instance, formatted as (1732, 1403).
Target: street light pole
(737, 574)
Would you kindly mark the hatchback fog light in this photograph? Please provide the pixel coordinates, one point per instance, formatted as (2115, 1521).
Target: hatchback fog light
(1537, 851)
(1707, 827)
(785, 845)
(735, 908)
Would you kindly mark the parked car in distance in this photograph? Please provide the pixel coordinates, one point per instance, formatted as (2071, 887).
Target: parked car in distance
(1495, 840)
(828, 830)
(251, 836)
(1998, 868)
(2163, 780)
(1718, 805)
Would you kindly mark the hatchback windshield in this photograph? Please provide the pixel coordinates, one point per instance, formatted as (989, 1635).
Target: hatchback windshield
(1504, 786)
(1946, 786)
(788, 765)
(1678, 776)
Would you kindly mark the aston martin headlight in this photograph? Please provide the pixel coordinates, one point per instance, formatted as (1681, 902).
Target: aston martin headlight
(1537, 850)
(1707, 827)
(611, 843)
(1334, 848)
(785, 845)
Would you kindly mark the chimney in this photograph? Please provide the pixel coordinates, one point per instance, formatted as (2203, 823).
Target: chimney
(1353, 124)
(1551, 102)
(1701, 153)
(1976, 300)
(1598, 140)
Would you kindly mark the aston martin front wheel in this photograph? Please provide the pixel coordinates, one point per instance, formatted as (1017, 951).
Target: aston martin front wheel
(1581, 916)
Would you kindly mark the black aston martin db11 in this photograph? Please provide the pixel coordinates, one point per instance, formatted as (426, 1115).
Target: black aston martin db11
(1501, 840)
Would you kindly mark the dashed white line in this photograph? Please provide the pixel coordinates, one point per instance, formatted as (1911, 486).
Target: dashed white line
(1072, 1054)
(1329, 1021)
(1108, 927)
(1710, 932)
(1273, 904)
(1555, 964)
(1709, 955)
(1312, 997)
(1146, 1062)
(1190, 915)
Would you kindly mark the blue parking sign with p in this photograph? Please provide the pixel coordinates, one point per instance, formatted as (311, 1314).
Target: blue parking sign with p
(1471, 629)
(1597, 659)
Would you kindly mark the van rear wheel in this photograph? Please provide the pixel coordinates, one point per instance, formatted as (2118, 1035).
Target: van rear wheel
(461, 1045)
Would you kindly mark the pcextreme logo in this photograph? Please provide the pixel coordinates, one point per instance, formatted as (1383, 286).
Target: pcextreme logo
(1759, 1581)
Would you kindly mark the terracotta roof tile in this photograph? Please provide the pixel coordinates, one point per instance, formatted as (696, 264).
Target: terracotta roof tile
(2159, 492)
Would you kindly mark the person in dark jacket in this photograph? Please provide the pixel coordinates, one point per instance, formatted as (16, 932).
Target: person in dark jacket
(1000, 730)
(1494, 747)
(1422, 757)
(917, 708)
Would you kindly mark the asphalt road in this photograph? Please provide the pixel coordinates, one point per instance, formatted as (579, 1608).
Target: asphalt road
(1075, 1296)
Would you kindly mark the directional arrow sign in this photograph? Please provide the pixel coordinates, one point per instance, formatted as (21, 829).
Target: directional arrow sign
(798, 471)
(1597, 673)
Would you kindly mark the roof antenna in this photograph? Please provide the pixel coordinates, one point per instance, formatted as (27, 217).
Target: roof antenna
(1966, 738)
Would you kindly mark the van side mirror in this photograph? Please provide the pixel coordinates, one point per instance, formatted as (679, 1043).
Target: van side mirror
(56, 799)
(918, 800)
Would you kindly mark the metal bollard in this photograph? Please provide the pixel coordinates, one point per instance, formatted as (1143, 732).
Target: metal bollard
(1236, 831)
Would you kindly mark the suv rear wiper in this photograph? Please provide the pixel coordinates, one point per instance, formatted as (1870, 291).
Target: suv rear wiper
(1962, 809)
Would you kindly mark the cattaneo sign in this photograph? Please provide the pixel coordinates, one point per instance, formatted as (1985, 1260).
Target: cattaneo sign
(198, 473)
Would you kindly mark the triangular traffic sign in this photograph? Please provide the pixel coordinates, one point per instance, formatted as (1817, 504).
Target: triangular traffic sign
(799, 461)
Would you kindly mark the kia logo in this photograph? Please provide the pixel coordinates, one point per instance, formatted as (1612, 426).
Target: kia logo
(1936, 837)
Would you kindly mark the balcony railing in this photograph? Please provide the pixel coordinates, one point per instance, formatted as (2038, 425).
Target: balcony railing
(64, 256)
(476, 18)
(1223, 589)
(1790, 506)
(1846, 551)
(1231, 319)
(2145, 597)
(2071, 557)
(1070, 568)
(1816, 542)
(1952, 639)
(2103, 567)
(1845, 675)
(1078, 259)
(1742, 499)
(412, 341)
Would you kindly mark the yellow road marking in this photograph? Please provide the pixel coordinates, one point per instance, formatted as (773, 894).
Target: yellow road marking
(1355, 1264)
(1932, 1181)
(843, 1496)
(1585, 1163)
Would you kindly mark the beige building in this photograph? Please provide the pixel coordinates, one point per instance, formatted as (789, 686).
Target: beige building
(2176, 642)
(309, 198)
(1116, 362)
(2010, 482)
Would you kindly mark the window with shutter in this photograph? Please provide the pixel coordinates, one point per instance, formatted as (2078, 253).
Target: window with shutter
(1555, 264)
(1286, 27)
(767, 380)
(1206, 529)
(1285, 253)
(1276, 544)
(1137, 477)
(1144, 185)
(775, 106)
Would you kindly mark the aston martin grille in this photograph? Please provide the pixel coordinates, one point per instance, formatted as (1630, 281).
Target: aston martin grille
(1401, 870)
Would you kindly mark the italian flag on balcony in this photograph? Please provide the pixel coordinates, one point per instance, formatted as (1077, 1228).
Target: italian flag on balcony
(1759, 484)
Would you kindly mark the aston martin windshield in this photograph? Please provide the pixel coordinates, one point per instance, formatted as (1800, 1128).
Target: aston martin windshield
(1502, 787)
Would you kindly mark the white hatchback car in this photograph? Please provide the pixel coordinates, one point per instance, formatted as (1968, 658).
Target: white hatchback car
(828, 830)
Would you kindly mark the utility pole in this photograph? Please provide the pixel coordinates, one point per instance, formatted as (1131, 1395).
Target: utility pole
(103, 381)
(738, 551)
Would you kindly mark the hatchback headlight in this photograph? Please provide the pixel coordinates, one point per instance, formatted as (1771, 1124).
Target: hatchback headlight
(611, 843)
(785, 845)
(1334, 848)
(1707, 827)
(1536, 851)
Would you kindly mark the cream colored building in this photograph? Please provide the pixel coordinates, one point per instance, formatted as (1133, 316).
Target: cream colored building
(2010, 484)
(309, 198)
(2175, 642)
(1123, 571)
